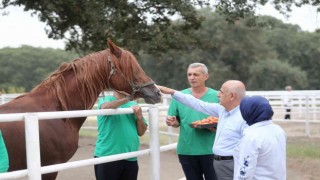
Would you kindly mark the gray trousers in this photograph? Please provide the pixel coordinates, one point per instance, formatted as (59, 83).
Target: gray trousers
(224, 169)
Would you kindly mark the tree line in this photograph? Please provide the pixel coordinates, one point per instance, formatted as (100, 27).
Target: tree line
(267, 56)
(137, 25)
(21, 69)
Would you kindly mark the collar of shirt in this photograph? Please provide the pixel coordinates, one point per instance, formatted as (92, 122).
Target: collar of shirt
(258, 124)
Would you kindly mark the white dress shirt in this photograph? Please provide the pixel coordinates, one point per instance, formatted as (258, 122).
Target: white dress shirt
(261, 153)
(230, 124)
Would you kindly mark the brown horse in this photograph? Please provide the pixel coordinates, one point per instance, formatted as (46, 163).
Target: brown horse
(74, 86)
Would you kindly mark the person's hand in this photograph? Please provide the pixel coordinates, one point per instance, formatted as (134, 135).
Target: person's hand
(137, 111)
(172, 121)
(165, 90)
(212, 129)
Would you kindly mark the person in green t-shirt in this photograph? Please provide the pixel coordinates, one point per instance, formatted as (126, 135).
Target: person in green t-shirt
(118, 134)
(4, 159)
(194, 147)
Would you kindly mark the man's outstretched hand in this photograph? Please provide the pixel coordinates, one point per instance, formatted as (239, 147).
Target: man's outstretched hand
(166, 90)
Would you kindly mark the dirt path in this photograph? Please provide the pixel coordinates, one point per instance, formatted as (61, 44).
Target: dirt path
(169, 165)
(297, 169)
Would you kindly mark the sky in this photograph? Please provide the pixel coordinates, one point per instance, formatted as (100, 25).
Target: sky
(20, 28)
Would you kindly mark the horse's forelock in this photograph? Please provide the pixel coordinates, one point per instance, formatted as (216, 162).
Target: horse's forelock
(129, 64)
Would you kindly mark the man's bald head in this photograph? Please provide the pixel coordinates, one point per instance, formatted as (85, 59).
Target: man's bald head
(237, 87)
(231, 93)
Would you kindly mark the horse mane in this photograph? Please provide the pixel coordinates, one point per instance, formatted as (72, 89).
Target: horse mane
(91, 73)
(129, 65)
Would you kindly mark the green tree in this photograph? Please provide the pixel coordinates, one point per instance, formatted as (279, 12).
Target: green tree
(274, 75)
(139, 24)
(234, 10)
(306, 56)
(25, 67)
(235, 46)
(232, 51)
(298, 48)
(228, 50)
(132, 24)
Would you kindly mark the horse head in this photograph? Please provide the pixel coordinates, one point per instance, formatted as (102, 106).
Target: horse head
(127, 75)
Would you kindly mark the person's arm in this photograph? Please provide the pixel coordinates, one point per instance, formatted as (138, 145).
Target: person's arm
(211, 109)
(114, 104)
(248, 156)
(141, 126)
(192, 102)
(166, 90)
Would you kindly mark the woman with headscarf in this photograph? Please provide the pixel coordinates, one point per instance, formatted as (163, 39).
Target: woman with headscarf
(261, 152)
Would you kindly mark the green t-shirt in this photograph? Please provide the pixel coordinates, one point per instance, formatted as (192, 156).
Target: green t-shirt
(117, 133)
(193, 141)
(4, 159)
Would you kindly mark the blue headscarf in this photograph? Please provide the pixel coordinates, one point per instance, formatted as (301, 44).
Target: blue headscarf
(255, 109)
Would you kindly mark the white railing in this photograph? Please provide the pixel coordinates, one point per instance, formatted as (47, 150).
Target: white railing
(300, 97)
(7, 97)
(34, 169)
(308, 102)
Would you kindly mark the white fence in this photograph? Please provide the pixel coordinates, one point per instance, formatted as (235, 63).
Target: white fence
(4, 98)
(305, 104)
(34, 169)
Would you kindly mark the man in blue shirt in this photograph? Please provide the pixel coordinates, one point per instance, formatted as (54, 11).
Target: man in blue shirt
(230, 125)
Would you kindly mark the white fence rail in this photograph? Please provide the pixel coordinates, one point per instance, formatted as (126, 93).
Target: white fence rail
(34, 169)
(305, 104)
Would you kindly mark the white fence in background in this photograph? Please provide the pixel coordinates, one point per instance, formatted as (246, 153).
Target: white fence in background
(306, 103)
(301, 99)
(4, 98)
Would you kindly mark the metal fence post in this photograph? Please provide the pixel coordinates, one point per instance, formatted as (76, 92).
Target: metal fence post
(33, 146)
(154, 142)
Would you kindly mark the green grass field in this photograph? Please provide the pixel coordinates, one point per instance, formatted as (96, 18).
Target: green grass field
(298, 147)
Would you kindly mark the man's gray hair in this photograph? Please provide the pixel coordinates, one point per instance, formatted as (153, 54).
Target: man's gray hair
(197, 64)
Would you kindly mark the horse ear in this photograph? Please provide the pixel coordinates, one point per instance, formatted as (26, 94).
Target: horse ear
(114, 49)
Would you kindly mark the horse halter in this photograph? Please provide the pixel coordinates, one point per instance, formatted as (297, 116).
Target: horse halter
(134, 87)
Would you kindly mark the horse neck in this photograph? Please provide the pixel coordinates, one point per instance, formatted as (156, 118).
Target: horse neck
(76, 103)
(87, 78)
(78, 96)
(77, 122)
